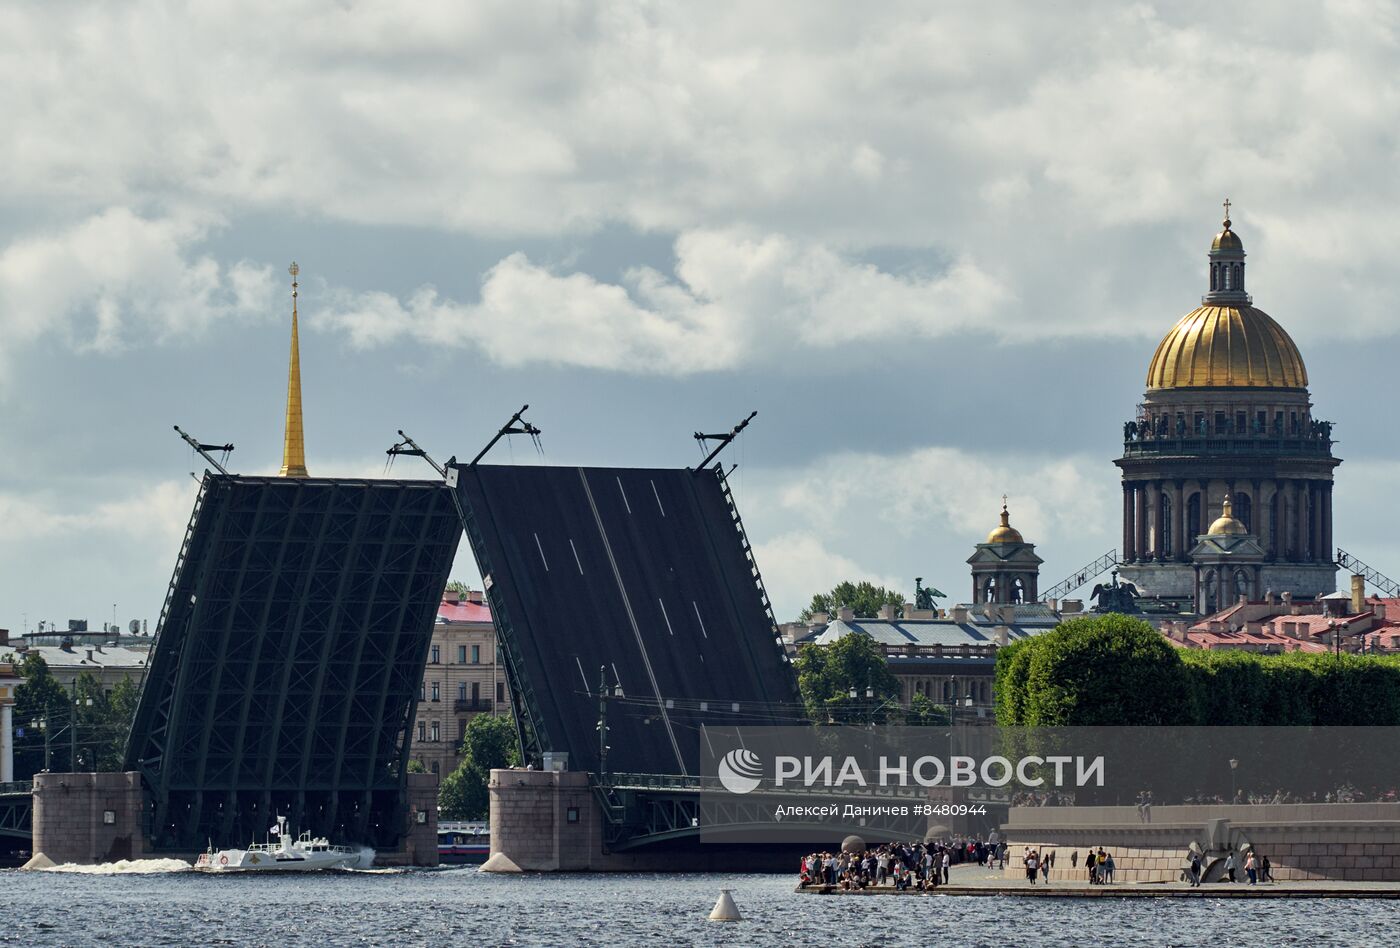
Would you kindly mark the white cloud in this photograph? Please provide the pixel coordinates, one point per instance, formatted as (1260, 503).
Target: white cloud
(799, 564)
(880, 516)
(152, 515)
(115, 277)
(1085, 192)
(736, 298)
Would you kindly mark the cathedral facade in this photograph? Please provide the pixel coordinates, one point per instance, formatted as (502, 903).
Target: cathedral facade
(1226, 435)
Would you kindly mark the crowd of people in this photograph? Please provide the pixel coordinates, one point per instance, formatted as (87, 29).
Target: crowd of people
(1346, 793)
(925, 866)
(1035, 798)
(901, 865)
(1257, 868)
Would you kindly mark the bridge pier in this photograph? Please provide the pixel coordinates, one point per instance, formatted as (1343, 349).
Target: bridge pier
(550, 821)
(88, 818)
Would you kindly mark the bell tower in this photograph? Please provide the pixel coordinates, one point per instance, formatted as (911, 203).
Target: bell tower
(1005, 569)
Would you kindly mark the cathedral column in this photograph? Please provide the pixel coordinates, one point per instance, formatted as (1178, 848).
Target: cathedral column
(1179, 521)
(1315, 519)
(1140, 522)
(1329, 551)
(1304, 537)
(1129, 531)
(1154, 522)
(1288, 516)
(1269, 535)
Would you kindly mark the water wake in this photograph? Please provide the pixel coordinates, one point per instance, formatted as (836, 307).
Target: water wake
(124, 867)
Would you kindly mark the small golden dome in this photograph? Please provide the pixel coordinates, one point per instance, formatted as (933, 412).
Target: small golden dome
(1005, 533)
(1227, 524)
(1227, 239)
(1227, 347)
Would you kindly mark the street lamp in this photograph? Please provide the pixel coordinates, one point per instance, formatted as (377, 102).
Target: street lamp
(1234, 765)
(1337, 630)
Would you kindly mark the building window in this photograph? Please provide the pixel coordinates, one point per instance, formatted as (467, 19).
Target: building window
(422, 732)
(476, 692)
(500, 692)
(437, 655)
(461, 729)
(422, 691)
(109, 817)
(435, 767)
(476, 654)
(461, 691)
(437, 732)
(461, 655)
(436, 695)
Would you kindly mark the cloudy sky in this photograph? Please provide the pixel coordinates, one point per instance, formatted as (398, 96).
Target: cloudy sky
(933, 245)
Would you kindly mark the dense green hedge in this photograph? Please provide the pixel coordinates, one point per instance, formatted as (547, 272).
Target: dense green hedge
(1114, 669)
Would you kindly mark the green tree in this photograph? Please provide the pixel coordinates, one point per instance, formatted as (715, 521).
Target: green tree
(846, 682)
(124, 699)
(39, 698)
(490, 742)
(416, 766)
(457, 586)
(924, 713)
(1012, 671)
(1104, 670)
(863, 598)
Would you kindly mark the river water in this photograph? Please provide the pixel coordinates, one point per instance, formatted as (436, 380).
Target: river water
(461, 906)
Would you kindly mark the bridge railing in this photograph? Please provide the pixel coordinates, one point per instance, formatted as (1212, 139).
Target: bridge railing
(16, 787)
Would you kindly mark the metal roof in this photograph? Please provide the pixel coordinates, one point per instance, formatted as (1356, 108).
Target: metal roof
(925, 632)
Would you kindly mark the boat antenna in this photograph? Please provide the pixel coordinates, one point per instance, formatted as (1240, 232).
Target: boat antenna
(723, 439)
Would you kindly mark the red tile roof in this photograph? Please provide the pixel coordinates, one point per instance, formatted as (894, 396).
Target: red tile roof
(463, 611)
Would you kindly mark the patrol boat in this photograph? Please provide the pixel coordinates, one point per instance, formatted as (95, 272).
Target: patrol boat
(288, 855)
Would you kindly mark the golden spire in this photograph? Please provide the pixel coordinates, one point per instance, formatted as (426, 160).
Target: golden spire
(1227, 524)
(1005, 533)
(294, 441)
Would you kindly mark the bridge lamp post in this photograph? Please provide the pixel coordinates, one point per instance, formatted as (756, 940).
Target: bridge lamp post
(43, 725)
(1234, 765)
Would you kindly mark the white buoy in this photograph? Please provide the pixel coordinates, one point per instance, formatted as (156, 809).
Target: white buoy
(725, 910)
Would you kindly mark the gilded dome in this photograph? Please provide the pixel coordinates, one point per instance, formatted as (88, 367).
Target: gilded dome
(1226, 523)
(1005, 533)
(1235, 346)
(1227, 239)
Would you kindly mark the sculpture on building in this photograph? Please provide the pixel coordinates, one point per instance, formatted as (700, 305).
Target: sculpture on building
(1115, 596)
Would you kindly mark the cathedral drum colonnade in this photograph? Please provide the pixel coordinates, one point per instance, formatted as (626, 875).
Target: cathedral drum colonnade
(1227, 417)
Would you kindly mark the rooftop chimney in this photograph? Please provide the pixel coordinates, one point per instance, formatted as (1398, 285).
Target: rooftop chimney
(821, 618)
(887, 612)
(1358, 594)
(959, 614)
(846, 613)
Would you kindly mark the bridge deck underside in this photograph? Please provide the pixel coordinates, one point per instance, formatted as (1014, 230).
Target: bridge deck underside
(643, 573)
(287, 668)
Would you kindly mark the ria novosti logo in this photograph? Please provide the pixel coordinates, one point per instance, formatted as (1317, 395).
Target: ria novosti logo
(740, 771)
